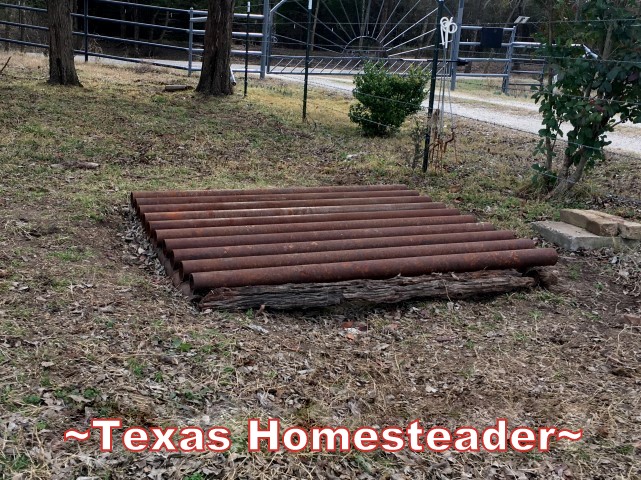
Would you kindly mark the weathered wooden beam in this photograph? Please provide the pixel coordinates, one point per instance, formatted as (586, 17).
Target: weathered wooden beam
(393, 290)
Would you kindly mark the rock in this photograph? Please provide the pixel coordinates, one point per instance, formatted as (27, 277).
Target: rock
(601, 223)
(592, 221)
(630, 230)
(570, 237)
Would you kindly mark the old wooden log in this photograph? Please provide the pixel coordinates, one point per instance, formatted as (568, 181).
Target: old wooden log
(393, 290)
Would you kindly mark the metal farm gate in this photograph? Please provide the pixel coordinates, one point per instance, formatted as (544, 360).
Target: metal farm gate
(276, 37)
(345, 34)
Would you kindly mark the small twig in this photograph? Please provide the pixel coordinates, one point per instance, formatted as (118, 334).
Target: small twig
(5, 65)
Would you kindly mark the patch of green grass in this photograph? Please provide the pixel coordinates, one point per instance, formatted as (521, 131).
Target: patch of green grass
(574, 272)
(182, 346)
(90, 393)
(36, 130)
(550, 297)
(4, 395)
(18, 463)
(32, 399)
(627, 449)
(521, 337)
(70, 255)
(468, 373)
(208, 349)
(136, 367)
(195, 476)
(45, 381)
(227, 375)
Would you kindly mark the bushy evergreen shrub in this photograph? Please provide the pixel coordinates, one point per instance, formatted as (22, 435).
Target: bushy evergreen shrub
(385, 99)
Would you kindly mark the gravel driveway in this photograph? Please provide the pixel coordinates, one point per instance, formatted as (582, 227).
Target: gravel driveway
(517, 113)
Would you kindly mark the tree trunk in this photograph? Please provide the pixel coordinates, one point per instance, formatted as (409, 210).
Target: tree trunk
(549, 146)
(566, 180)
(62, 70)
(215, 76)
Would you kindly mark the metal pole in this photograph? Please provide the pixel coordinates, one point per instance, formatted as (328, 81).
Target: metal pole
(456, 42)
(508, 66)
(266, 38)
(430, 105)
(21, 21)
(190, 53)
(307, 52)
(86, 30)
(247, 48)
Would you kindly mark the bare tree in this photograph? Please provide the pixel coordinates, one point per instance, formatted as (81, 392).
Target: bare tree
(215, 76)
(62, 70)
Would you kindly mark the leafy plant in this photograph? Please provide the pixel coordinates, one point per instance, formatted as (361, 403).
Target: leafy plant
(385, 99)
(543, 179)
(596, 88)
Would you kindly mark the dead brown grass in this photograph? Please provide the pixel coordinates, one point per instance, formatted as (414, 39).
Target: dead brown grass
(90, 327)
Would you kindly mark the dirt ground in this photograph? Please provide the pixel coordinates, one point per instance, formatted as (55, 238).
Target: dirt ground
(90, 327)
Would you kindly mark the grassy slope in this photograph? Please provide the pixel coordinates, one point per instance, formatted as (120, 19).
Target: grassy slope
(87, 328)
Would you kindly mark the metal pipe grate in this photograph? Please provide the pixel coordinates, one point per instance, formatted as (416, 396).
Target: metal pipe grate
(209, 239)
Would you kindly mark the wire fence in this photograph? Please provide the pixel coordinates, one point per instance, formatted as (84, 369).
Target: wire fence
(424, 108)
(454, 118)
(183, 23)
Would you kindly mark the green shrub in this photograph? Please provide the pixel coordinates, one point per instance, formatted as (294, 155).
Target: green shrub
(385, 99)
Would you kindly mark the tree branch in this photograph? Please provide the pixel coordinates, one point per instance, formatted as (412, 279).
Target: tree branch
(5, 65)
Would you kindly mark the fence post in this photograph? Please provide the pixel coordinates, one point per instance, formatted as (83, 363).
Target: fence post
(266, 39)
(190, 53)
(21, 20)
(430, 105)
(86, 29)
(247, 48)
(508, 65)
(307, 52)
(456, 43)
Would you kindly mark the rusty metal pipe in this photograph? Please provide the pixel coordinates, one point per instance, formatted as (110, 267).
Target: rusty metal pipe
(268, 212)
(275, 197)
(160, 235)
(374, 269)
(175, 243)
(327, 217)
(180, 255)
(258, 191)
(242, 263)
(184, 207)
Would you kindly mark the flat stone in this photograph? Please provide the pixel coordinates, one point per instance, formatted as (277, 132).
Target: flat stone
(630, 230)
(592, 221)
(627, 228)
(601, 223)
(571, 237)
